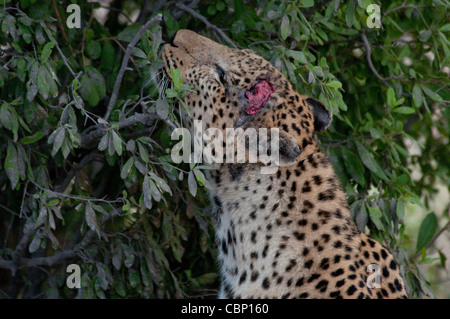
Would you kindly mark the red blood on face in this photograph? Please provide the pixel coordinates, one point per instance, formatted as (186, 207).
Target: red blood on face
(257, 96)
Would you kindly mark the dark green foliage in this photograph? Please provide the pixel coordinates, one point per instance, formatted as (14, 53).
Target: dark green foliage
(82, 185)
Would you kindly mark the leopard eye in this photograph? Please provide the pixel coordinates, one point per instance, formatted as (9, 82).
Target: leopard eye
(221, 74)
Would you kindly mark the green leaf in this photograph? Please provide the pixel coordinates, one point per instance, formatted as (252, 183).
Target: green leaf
(220, 5)
(21, 69)
(297, 55)
(93, 49)
(271, 14)
(285, 29)
(143, 152)
(307, 3)
(119, 287)
(139, 53)
(32, 138)
(369, 161)
(46, 51)
(211, 10)
(133, 278)
(129, 33)
(129, 256)
(424, 35)
(117, 141)
(171, 93)
(402, 180)
(107, 57)
(417, 95)
(162, 108)
(126, 168)
(42, 82)
(176, 76)
(156, 194)
(117, 257)
(53, 202)
(147, 192)
(354, 166)
(111, 147)
(390, 97)
(35, 244)
(375, 216)
(433, 95)
(335, 84)
(426, 231)
(11, 164)
(145, 275)
(192, 183)
(362, 218)
(6, 118)
(400, 209)
(404, 110)
(442, 259)
(92, 86)
(375, 133)
(91, 218)
(97, 80)
(160, 182)
(59, 139)
(104, 142)
(200, 177)
(350, 13)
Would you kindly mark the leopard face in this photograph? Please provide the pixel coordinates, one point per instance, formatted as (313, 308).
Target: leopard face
(237, 88)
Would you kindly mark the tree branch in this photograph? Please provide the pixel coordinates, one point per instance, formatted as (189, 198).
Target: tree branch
(59, 256)
(28, 230)
(123, 67)
(208, 24)
(369, 60)
(90, 136)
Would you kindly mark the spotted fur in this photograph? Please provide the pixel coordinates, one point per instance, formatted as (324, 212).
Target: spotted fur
(288, 234)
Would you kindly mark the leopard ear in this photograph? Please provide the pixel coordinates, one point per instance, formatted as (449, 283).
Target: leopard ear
(322, 117)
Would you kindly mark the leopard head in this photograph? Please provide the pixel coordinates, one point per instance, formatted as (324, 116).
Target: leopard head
(239, 89)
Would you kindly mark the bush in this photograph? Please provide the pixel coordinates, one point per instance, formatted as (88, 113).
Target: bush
(86, 176)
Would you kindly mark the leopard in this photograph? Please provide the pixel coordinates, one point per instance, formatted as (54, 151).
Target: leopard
(287, 234)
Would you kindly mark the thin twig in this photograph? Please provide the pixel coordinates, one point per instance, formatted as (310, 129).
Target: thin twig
(75, 197)
(369, 60)
(66, 62)
(8, 210)
(123, 67)
(415, 7)
(403, 6)
(93, 133)
(349, 39)
(208, 24)
(61, 26)
(262, 42)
